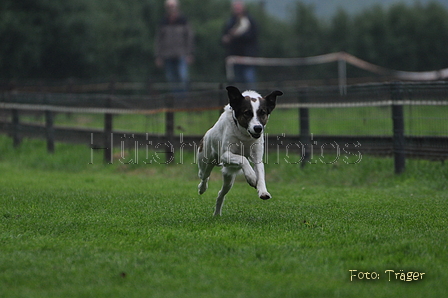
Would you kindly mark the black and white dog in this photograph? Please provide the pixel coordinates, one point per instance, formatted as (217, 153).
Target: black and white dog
(235, 140)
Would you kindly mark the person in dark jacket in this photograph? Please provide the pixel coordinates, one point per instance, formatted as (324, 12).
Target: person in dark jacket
(240, 38)
(174, 45)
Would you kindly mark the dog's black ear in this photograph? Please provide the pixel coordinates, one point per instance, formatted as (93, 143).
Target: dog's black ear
(235, 97)
(271, 99)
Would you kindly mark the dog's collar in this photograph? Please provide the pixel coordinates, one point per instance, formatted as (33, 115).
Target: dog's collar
(234, 118)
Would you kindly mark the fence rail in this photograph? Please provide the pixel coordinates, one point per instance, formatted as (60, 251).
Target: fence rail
(396, 95)
(342, 58)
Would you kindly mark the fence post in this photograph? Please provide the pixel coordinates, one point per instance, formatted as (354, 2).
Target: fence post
(342, 76)
(70, 89)
(108, 141)
(169, 128)
(49, 131)
(398, 128)
(15, 128)
(108, 136)
(304, 122)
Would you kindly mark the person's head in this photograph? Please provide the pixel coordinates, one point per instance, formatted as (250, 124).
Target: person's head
(172, 6)
(238, 8)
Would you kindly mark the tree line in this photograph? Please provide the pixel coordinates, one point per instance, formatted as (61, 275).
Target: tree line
(99, 39)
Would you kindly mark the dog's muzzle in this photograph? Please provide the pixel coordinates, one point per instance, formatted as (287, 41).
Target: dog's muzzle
(258, 129)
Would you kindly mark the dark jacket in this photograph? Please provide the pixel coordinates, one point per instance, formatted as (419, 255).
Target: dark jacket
(245, 44)
(175, 39)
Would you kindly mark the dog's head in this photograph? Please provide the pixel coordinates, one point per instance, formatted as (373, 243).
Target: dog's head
(250, 110)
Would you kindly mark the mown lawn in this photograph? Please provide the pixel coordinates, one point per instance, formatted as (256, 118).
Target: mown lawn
(73, 229)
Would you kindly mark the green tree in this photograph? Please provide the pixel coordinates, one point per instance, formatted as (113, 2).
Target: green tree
(432, 37)
(97, 39)
(340, 33)
(21, 33)
(308, 31)
(371, 36)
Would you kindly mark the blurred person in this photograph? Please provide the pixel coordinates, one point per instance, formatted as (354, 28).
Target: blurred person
(240, 38)
(174, 45)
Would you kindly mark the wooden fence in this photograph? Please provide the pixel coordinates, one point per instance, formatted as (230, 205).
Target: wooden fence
(396, 95)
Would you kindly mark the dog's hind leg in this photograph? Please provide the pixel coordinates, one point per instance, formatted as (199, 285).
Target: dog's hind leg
(205, 169)
(228, 180)
(204, 176)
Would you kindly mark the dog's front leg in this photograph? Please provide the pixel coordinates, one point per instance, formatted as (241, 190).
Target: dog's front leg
(261, 183)
(256, 157)
(231, 159)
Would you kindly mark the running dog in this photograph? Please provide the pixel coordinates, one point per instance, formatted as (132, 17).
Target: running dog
(235, 140)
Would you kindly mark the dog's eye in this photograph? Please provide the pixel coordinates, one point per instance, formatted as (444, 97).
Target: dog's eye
(262, 113)
(248, 113)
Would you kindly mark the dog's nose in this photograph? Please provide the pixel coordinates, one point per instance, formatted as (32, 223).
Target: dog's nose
(258, 128)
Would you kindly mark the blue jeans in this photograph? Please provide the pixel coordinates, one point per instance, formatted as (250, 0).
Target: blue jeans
(176, 71)
(245, 74)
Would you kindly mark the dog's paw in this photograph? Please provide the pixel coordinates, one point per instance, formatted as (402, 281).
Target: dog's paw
(264, 195)
(202, 187)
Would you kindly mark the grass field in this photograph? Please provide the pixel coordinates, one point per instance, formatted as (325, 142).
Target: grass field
(73, 229)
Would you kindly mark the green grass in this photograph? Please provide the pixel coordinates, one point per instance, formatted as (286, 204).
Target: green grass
(73, 229)
(370, 121)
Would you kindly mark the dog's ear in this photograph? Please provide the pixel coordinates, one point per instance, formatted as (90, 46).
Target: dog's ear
(271, 99)
(235, 97)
